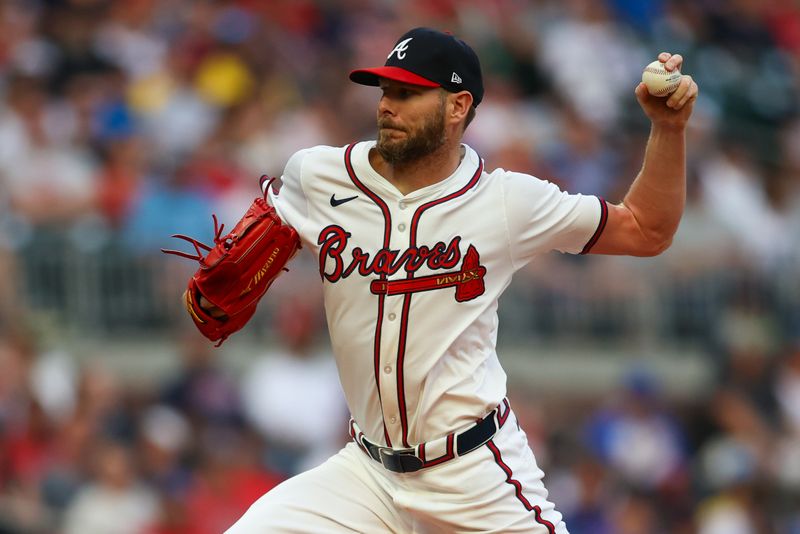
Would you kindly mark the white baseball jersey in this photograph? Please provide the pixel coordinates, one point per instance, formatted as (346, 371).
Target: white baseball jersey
(411, 282)
(411, 285)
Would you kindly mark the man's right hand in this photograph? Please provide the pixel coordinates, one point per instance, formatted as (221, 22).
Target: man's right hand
(672, 111)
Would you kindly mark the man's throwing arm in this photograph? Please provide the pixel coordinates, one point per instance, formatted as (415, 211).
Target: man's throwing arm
(644, 223)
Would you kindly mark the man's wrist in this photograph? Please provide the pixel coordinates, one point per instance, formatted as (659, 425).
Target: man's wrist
(669, 127)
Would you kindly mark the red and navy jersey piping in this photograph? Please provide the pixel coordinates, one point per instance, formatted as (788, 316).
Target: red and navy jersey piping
(412, 240)
(601, 225)
(537, 511)
(403, 334)
(387, 228)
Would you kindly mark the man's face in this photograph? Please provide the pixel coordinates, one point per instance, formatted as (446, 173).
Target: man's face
(410, 121)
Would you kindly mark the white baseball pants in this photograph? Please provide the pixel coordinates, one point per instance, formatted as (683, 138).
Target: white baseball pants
(495, 488)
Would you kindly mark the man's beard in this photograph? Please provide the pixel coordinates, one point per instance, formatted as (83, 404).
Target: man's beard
(429, 139)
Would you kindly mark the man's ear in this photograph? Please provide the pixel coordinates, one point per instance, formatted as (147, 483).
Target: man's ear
(460, 103)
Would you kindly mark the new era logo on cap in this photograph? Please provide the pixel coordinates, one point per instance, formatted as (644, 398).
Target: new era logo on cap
(429, 58)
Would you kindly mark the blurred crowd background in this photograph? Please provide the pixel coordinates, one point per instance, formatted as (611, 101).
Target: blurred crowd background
(123, 122)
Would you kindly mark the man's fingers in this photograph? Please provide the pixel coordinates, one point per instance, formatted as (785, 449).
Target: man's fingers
(677, 95)
(686, 90)
(674, 62)
(691, 94)
(671, 61)
(642, 95)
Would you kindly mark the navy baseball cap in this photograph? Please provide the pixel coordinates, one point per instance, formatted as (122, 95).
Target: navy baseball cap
(429, 58)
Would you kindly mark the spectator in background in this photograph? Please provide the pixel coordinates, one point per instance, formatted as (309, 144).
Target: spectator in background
(582, 487)
(115, 501)
(638, 437)
(734, 189)
(584, 162)
(173, 115)
(47, 182)
(229, 477)
(102, 404)
(703, 250)
(126, 38)
(26, 438)
(121, 179)
(164, 447)
(636, 513)
(732, 461)
(202, 389)
(40, 449)
(168, 203)
(291, 394)
(570, 44)
(748, 335)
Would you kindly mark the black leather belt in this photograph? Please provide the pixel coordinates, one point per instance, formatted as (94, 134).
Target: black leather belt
(407, 460)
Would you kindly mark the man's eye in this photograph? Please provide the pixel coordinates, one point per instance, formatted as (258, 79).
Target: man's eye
(398, 93)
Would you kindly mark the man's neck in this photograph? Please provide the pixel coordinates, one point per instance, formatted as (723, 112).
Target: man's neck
(431, 169)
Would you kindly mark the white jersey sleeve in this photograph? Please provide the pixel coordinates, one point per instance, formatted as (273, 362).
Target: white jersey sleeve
(542, 218)
(288, 195)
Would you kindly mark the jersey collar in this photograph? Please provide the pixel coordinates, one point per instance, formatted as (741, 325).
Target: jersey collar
(371, 177)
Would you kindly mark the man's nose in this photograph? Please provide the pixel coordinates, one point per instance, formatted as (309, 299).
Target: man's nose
(385, 106)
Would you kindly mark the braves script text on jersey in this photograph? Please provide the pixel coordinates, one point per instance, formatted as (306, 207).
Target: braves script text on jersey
(411, 286)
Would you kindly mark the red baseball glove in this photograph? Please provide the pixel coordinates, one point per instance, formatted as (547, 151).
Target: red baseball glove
(238, 270)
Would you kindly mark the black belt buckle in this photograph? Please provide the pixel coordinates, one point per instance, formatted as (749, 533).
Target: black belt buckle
(399, 461)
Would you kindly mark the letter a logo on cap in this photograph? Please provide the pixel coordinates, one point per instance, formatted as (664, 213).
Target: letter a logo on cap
(401, 48)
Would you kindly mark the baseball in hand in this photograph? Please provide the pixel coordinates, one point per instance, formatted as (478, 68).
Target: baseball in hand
(658, 80)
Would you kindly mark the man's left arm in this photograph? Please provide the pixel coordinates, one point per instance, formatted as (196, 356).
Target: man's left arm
(646, 220)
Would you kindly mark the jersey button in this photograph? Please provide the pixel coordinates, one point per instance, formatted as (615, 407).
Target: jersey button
(393, 420)
(392, 316)
(402, 205)
(387, 369)
(401, 226)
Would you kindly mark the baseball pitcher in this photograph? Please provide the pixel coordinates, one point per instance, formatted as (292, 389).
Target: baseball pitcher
(416, 241)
